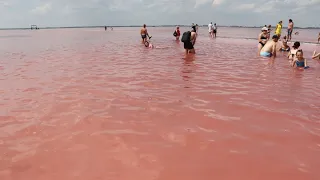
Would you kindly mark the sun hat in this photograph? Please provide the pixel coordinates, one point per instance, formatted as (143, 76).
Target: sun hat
(264, 29)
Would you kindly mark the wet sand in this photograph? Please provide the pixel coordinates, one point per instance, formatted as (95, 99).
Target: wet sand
(88, 104)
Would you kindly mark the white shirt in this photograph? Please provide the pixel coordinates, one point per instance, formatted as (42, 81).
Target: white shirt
(210, 27)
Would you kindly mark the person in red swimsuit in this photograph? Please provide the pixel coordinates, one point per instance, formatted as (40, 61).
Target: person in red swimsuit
(177, 33)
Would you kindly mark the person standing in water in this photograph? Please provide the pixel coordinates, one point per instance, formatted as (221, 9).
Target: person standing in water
(270, 48)
(263, 37)
(215, 30)
(105, 28)
(318, 38)
(290, 29)
(189, 38)
(144, 34)
(279, 29)
(269, 31)
(176, 33)
(210, 29)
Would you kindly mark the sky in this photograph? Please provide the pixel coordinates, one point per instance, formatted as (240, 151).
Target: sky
(58, 13)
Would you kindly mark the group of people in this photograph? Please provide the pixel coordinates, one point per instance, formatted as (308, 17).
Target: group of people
(268, 47)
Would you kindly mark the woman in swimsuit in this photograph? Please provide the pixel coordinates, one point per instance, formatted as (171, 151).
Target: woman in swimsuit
(293, 52)
(300, 61)
(263, 38)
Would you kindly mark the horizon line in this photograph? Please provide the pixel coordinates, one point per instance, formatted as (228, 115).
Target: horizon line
(66, 27)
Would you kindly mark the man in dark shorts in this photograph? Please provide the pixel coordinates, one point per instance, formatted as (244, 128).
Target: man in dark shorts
(189, 45)
(215, 30)
(144, 33)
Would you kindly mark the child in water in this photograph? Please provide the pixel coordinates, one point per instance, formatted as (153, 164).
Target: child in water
(300, 61)
(284, 46)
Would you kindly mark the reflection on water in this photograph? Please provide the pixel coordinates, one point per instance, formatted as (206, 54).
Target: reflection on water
(89, 104)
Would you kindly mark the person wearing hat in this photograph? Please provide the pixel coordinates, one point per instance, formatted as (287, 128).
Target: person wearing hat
(263, 38)
(270, 48)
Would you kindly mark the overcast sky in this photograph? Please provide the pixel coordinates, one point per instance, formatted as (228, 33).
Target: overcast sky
(44, 13)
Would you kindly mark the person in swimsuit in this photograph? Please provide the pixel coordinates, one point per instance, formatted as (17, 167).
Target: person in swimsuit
(319, 38)
(270, 48)
(189, 46)
(177, 33)
(284, 46)
(144, 34)
(293, 51)
(290, 29)
(279, 29)
(300, 61)
(263, 38)
(315, 55)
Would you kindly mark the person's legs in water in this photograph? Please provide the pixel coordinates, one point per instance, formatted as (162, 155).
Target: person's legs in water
(188, 46)
(144, 38)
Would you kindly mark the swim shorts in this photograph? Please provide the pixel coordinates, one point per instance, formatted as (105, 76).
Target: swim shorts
(289, 32)
(288, 49)
(188, 45)
(143, 36)
(265, 54)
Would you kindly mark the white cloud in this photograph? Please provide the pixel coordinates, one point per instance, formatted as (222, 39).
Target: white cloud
(245, 7)
(43, 9)
(156, 12)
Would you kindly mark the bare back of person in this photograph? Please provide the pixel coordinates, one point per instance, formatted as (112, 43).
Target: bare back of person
(270, 48)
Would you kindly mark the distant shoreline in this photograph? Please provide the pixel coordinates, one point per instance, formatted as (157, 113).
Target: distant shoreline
(78, 27)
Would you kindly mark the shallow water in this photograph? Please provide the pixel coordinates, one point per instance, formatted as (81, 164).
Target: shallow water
(89, 104)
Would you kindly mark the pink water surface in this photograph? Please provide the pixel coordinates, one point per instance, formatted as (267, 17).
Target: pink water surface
(87, 104)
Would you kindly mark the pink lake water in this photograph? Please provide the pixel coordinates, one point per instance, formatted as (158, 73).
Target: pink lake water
(88, 104)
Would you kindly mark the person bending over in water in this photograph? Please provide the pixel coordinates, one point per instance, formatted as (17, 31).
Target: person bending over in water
(189, 38)
(270, 48)
(263, 37)
(315, 55)
(284, 46)
(144, 34)
(293, 51)
(300, 61)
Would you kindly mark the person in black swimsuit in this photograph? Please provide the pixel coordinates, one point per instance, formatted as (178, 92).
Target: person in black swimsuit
(263, 38)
